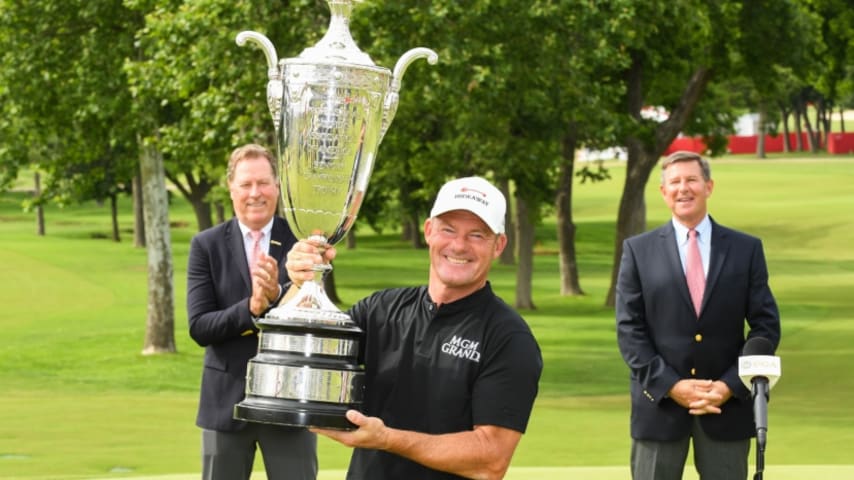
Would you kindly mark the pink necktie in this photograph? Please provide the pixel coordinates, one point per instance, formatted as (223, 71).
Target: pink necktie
(256, 235)
(694, 271)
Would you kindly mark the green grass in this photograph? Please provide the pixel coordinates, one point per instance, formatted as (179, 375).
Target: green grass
(78, 400)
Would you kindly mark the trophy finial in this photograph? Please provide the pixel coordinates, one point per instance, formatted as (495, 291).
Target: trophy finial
(337, 45)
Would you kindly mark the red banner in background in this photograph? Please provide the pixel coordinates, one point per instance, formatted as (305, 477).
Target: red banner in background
(837, 143)
(840, 143)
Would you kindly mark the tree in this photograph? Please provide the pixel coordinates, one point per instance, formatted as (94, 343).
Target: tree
(767, 67)
(512, 87)
(836, 77)
(61, 63)
(691, 44)
(85, 133)
(211, 92)
(583, 43)
(482, 130)
(518, 88)
(663, 56)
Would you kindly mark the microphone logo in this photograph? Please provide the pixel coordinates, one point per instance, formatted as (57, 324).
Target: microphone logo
(752, 366)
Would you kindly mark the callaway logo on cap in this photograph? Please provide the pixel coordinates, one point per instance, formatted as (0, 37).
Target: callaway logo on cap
(476, 195)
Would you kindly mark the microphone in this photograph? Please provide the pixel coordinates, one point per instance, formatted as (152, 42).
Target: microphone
(759, 370)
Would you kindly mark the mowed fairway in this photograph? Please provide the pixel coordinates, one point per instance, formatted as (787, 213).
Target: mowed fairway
(77, 400)
(780, 472)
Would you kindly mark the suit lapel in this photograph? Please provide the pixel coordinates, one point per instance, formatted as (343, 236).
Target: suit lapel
(717, 255)
(277, 239)
(237, 251)
(281, 240)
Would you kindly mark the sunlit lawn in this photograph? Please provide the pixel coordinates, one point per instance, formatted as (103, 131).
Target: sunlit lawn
(78, 400)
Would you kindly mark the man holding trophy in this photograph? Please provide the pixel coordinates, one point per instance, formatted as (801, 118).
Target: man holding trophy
(431, 382)
(451, 370)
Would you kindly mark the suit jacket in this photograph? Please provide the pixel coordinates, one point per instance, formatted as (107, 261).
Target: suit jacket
(218, 291)
(662, 339)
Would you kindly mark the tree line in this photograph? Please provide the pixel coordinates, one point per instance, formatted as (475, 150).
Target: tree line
(103, 98)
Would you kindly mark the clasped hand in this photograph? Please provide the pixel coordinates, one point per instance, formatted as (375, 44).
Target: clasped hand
(700, 397)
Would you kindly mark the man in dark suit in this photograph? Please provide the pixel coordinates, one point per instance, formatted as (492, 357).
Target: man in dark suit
(231, 282)
(683, 353)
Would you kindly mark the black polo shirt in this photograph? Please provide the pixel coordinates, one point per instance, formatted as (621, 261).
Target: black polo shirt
(441, 370)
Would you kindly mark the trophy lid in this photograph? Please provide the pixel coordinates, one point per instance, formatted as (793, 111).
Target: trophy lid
(337, 46)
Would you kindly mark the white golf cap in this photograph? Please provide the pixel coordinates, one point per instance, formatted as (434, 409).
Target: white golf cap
(476, 195)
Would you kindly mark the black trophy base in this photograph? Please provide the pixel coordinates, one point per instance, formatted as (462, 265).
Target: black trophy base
(294, 414)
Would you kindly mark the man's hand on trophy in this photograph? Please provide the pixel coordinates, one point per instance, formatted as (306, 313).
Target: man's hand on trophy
(371, 432)
(302, 258)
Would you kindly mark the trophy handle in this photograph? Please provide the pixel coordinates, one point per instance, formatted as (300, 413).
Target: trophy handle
(275, 88)
(392, 97)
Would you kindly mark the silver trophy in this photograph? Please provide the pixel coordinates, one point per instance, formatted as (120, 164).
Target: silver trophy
(331, 107)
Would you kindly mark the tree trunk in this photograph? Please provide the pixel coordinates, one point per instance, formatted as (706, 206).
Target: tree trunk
(508, 256)
(406, 233)
(823, 122)
(760, 140)
(631, 218)
(196, 191)
(810, 135)
(525, 254)
(823, 119)
(787, 142)
(203, 212)
(412, 220)
(569, 282)
(799, 137)
(160, 323)
(114, 216)
(351, 239)
(643, 155)
(842, 119)
(39, 208)
(416, 238)
(138, 215)
(220, 212)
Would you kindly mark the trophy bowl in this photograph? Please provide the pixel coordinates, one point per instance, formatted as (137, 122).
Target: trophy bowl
(331, 107)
